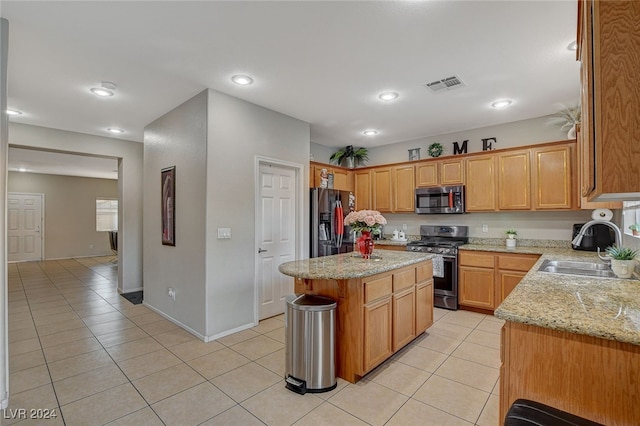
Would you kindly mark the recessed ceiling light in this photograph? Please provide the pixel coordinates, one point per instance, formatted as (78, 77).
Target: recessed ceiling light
(370, 132)
(115, 130)
(388, 96)
(13, 112)
(503, 103)
(22, 169)
(242, 80)
(573, 46)
(106, 88)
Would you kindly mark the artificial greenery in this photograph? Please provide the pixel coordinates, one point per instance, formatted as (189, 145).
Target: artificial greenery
(435, 149)
(511, 231)
(567, 117)
(621, 253)
(635, 227)
(359, 156)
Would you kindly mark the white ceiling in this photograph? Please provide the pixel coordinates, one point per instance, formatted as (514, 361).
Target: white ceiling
(323, 62)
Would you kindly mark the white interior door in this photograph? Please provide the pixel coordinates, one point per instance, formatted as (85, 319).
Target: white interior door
(24, 227)
(276, 236)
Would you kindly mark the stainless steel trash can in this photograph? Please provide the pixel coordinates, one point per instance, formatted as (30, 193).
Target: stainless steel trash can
(310, 343)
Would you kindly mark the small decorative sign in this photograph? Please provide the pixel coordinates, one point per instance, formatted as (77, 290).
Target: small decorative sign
(414, 154)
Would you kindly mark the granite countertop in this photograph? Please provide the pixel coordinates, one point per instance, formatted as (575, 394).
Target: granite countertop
(607, 308)
(345, 266)
(391, 242)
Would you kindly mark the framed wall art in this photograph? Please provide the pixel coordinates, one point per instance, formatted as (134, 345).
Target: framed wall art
(168, 196)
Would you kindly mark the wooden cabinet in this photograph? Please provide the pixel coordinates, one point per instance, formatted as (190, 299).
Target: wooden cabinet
(609, 51)
(377, 332)
(553, 178)
(382, 192)
(485, 279)
(362, 180)
(376, 315)
(481, 183)
(342, 178)
(514, 180)
(440, 173)
(403, 179)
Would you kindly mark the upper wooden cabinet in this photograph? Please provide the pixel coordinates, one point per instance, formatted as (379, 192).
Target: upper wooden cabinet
(481, 183)
(403, 179)
(382, 192)
(553, 178)
(342, 178)
(514, 180)
(362, 190)
(442, 172)
(609, 51)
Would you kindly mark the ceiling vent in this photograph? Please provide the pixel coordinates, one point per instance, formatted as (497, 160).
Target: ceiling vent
(445, 84)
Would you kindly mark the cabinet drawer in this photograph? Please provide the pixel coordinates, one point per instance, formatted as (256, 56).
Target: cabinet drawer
(514, 262)
(404, 279)
(478, 259)
(378, 288)
(424, 272)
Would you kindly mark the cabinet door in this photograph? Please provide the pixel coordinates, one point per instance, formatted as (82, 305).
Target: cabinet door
(452, 172)
(476, 287)
(481, 183)
(507, 281)
(514, 181)
(424, 306)
(404, 189)
(377, 333)
(552, 178)
(427, 174)
(586, 139)
(404, 317)
(362, 191)
(342, 180)
(382, 192)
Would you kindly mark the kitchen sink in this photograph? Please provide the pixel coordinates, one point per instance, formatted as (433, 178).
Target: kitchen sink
(570, 267)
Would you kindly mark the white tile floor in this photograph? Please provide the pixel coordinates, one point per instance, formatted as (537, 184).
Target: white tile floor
(81, 350)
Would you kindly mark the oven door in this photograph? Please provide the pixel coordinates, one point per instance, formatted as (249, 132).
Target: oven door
(446, 288)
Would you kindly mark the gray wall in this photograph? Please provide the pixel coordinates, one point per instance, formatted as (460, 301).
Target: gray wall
(178, 138)
(69, 212)
(129, 186)
(213, 140)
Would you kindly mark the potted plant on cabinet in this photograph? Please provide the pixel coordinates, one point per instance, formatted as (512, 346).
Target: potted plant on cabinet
(511, 237)
(352, 157)
(623, 260)
(635, 228)
(567, 118)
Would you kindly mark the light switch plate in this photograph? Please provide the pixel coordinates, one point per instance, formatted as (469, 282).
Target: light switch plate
(224, 233)
(485, 228)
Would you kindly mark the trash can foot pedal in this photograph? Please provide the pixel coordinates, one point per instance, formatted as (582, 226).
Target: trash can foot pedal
(296, 385)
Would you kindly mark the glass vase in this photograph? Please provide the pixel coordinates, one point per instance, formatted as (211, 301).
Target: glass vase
(365, 244)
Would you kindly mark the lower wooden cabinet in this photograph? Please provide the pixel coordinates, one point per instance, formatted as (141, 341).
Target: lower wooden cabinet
(486, 278)
(377, 332)
(424, 306)
(404, 317)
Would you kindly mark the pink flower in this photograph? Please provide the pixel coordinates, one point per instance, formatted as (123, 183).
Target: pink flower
(370, 220)
(380, 219)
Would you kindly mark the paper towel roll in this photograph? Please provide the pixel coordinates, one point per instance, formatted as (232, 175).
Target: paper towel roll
(602, 214)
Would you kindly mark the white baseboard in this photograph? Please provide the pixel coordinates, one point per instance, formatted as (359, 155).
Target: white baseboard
(176, 322)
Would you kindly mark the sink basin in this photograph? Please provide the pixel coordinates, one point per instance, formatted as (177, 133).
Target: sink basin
(570, 267)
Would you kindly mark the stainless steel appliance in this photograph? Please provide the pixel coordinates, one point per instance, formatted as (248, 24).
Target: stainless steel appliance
(440, 200)
(329, 235)
(597, 236)
(443, 240)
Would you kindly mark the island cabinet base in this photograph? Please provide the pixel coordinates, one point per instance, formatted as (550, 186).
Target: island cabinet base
(593, 378)
(376, 315)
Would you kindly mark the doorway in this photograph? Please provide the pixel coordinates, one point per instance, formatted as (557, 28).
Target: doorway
(25, 227)
(278, 217)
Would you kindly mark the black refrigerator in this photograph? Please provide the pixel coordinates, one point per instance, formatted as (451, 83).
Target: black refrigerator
(327, 236)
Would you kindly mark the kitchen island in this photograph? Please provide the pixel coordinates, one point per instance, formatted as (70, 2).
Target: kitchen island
(572, 342)
(383, 303)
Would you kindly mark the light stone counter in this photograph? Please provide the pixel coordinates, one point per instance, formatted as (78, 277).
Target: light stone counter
(346, 266)
(607, 308)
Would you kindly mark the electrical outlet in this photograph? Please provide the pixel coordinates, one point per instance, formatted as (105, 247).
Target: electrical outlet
(90, 246)
(485, 228)
(171, 292)
(224, 233)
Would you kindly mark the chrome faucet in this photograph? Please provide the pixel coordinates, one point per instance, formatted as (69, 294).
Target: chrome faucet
(578, 239)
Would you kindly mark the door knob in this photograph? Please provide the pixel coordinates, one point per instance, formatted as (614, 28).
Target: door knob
(261, 250)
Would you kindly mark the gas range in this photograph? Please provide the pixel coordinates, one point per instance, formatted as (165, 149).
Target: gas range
(443, 240)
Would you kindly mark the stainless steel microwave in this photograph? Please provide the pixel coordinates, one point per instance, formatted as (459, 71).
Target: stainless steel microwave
(440, 200)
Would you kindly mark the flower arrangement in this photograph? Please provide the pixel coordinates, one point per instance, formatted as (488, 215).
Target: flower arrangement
(365, 220)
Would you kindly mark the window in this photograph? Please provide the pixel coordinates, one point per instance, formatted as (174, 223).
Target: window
(106, 215)
(630, 215)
